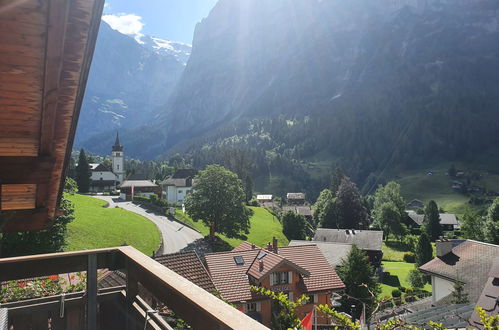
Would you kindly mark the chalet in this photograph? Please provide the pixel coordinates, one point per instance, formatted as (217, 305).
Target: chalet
(335, 253)
(416, 203)
(295, 198)
(261, 199)
(304, 210)
(295, 270)
(46, 48)
(102, 178)
(176, 188)
(448, 221)
(468, 262)
(370, 241)
(131, 188)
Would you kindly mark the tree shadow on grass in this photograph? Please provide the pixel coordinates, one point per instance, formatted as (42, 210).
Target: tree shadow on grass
(391, 280)
(397, 246)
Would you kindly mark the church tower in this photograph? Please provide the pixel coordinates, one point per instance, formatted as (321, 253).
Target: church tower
(118, 163)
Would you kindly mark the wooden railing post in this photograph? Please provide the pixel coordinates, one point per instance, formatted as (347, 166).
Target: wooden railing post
(132, 289)
(92, 292)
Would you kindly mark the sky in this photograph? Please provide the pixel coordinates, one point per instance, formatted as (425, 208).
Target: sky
(167, 19)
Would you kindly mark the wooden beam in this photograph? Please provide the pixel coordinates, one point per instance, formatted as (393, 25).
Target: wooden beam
(24, 220)
(17, 268)
(19, 170)
(92, 292)
(56, 35)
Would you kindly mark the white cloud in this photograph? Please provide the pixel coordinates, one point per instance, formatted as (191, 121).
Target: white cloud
(129, 24)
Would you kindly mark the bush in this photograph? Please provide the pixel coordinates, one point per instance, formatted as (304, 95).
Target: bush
(253, 202)
(396, 293)
(410, 257)
(401, 289)
(416, 278)
(410, 242)
(409, 291)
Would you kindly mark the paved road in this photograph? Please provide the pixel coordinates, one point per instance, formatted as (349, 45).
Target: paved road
(175, 235)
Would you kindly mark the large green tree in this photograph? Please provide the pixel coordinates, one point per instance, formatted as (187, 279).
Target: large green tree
(424, 250)
(326, 211)
(219, 201)
(83, 173)
(390, 193)
(351, 210)
(387, 217)
(472, 226)
(491, 230)
(43, 241)
(358, 275)
(293, 225)
(432, 221)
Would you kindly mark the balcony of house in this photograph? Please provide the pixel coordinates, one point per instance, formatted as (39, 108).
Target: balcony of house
(118, 307)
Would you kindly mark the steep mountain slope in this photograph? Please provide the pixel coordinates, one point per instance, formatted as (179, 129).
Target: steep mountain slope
(372, 84)
(127, 83)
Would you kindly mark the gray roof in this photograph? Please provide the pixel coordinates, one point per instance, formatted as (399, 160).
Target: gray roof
(363, 239)
(469, 262)
(334, 252)
(175, 182)
(451, 316)
(445, 218)
(138, 183)
(302, 210)
(265, 197)
(295, 195)
(489, 297)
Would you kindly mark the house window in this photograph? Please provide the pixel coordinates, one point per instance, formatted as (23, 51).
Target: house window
(281, 278)
(180, 191)
(251, 307)
(117, 167)
(312, 299)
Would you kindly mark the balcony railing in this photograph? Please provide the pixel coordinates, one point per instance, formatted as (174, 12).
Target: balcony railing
(116, 308)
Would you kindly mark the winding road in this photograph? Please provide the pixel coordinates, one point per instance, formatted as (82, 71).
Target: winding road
(175, 235)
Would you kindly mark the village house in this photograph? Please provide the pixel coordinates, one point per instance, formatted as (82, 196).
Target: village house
(261, 199)
(416, 203)
(468, 262)
(335, 253)
(131, 188)
(176, 188)
(370, 241)
(304, 210)
(295, 270)
(295, 198)
(448, 221)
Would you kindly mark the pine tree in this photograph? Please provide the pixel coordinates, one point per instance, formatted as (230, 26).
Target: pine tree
(83, 173)
(358, 275)
(459, 296)
(432, 221)
(352, 213)
(293, 225)
(424, 250)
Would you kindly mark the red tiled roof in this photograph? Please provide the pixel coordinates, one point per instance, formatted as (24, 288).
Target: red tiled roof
(243, 246)
(229, 278)
(234, 284)
(322, 274)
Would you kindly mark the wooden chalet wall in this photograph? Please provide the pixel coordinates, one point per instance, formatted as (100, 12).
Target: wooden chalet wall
(46, 48)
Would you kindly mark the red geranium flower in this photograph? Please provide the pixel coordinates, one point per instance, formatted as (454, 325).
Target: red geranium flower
(21, 284)
(53, 277)
(43, 283)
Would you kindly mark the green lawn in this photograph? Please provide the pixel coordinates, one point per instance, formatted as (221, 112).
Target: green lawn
(263, 227)
(399, 271)
(98, 227)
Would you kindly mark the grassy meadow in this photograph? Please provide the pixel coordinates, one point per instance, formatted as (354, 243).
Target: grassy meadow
(96, 226)
(263, 226)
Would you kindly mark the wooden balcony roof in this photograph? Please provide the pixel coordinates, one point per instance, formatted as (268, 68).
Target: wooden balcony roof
(45, 51)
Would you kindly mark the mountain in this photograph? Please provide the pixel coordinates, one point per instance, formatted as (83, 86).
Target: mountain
(374, 83)
(129, 81)
(363, 84)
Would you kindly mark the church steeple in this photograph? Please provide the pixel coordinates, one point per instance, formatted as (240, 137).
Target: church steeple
(117, 145)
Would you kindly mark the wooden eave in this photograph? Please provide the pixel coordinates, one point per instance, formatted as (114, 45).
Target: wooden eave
(46, 48)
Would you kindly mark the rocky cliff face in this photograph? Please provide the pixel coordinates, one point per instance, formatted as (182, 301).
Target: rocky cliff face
(425, 65)
(127, 84)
